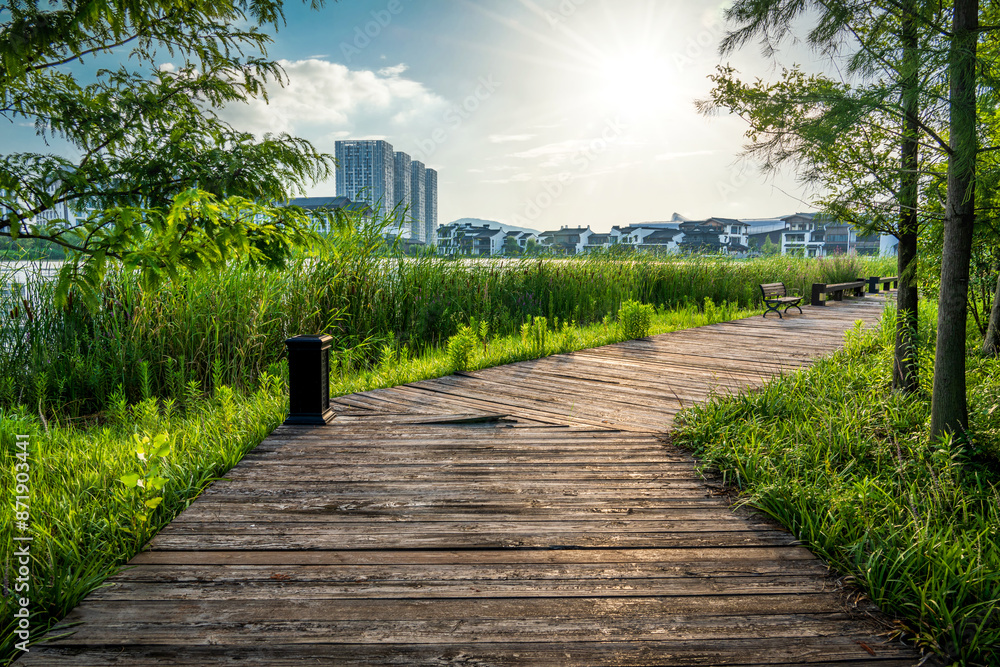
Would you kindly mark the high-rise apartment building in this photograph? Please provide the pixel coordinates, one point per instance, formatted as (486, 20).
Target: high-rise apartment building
(366, 172)
(370, 171)
(430, 206)
(418, 205)
(401, 191)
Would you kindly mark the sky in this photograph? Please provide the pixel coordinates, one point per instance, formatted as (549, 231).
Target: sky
(537, 113)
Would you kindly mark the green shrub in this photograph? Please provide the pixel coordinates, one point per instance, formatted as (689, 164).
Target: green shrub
(534, 334)
(634, 319)
(461, 347)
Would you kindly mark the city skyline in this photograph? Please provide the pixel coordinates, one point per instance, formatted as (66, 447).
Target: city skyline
(391, 182)
(539, 112)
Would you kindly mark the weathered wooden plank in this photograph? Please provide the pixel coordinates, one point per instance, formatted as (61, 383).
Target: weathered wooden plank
(830, 652)
(307, 471)
(611, 627)
(427, 588)
(573, 536)
(393, 512)
(269, 537)
(419, 493)
(701, 571)
(690, 557)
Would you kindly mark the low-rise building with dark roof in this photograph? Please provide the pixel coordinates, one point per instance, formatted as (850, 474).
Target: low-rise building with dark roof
(721, 235)
(566, 240)
(323, 208)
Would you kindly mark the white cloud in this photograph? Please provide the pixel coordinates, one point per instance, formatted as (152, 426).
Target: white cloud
(330, 97)
(395, 70)
(673, 156)
(505, 138)
(516, 178)
(558, 149)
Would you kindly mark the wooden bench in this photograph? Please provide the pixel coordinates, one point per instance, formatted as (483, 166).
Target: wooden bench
(835, 291)
(875, 283)
(776, 296)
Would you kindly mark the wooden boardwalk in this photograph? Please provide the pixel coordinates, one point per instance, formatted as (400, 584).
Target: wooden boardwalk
(423, 528)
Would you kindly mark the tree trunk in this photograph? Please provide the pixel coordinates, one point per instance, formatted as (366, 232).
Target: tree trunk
(904, 372)
(991, 346)
(949, 411)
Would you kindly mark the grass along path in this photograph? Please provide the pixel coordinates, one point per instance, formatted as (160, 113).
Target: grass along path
(846, 465)
(87, 522)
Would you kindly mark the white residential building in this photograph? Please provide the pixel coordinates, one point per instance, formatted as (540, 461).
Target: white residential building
(418, 199)
(471, 236)
(430, 205)
(366, 173)
(802, 236)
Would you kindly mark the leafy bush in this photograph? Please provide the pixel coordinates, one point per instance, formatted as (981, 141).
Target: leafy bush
(461, 347)
(534, 334)
(634, 319)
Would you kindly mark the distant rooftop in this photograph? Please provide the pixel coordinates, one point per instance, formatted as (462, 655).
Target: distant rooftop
(329, 204)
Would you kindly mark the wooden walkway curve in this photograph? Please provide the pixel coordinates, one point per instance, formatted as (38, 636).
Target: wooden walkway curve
(527, 514)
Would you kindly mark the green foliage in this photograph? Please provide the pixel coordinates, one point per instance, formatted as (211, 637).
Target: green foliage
(634, 319)
(90, 487)
(461, 347)
(147, 483)
(228, 326)
(534, 334)
(161, 183)
(845, 463)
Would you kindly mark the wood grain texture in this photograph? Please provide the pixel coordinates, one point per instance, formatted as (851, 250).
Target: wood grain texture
(527, 514)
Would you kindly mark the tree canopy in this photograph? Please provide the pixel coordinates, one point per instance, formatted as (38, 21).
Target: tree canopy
(159, 180)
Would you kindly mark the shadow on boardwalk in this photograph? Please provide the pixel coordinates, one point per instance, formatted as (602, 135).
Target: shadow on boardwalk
(564, 533)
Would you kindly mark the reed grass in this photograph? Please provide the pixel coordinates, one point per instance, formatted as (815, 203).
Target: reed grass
(846, 464)
(538, 339)
(230, 326)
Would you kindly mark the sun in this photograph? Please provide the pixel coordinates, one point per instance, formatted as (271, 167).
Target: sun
(638, 82)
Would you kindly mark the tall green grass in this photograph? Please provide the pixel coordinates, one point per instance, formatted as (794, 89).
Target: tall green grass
(229, 327)
(476, 346)
(85, 522)
(846, 464)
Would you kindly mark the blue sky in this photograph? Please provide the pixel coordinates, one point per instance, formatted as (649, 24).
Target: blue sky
(534, 112)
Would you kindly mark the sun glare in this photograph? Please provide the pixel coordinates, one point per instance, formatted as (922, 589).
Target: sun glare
(637, 82)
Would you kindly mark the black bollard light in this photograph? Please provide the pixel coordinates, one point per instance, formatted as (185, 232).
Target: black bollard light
(817, 292)
(309, 380)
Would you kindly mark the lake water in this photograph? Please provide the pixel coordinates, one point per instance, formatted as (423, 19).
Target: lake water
(19, 272)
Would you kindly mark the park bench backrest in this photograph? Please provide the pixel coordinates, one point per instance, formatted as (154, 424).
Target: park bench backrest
(773, 289)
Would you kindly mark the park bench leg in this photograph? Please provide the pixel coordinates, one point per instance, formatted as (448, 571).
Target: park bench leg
(793, 305)
(772, 308)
